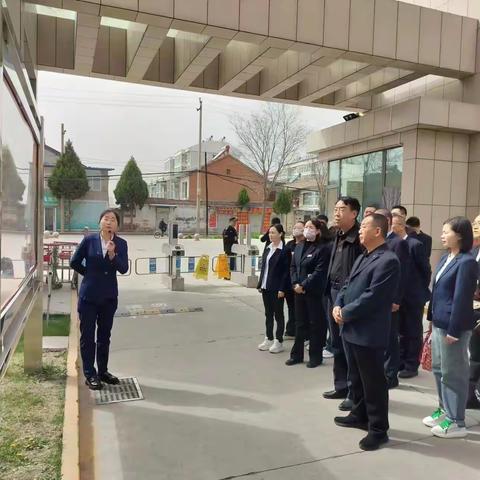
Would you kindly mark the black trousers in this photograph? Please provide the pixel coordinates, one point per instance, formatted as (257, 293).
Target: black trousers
(474, 384)
(340, 365)
(369, 388)
(273, 310)
(410, 329)
(309, 319)
(95, 318)
(392, 353)
(290, 298)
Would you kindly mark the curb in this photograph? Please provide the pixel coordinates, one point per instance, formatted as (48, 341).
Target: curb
(71, 451)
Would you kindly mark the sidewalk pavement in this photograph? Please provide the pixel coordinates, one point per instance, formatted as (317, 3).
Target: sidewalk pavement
(216, 407)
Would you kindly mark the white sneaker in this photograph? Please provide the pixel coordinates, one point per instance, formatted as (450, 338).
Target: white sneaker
(327, 353)
(449, 429)
(435, 418)
(265, 345)
(307, 345)
(277, 347)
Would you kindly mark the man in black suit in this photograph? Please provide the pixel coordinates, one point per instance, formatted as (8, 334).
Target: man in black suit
(416, 295)
(400, 247)
(346, 248)
(363, 310)
(230, 238)
(413, 224)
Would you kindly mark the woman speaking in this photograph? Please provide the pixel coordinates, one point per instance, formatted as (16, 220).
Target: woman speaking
(98, 258)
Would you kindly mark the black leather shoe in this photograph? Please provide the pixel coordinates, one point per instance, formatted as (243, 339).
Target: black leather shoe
(373, 441)
(107, 377)
(392, 383)
(408, 373)
(335, 394)
(346, 405)
(292, 361)
(350, 422)
(93, 383)
(313, 364)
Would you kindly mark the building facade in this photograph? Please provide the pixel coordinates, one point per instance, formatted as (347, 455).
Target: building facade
(85, 210)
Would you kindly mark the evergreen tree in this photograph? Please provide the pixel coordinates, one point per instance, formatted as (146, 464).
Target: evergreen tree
(68, 180)
(131, 190)
(283, 203)
(243, 198)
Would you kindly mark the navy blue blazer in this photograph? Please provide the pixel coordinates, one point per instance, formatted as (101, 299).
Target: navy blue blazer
(278, 278)
(99, 272)
(400, 247)
(419, 274)
(451, 306)
(310, 270)
(367, 296)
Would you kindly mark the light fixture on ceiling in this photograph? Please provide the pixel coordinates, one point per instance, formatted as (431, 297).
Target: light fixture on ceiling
(352, 116)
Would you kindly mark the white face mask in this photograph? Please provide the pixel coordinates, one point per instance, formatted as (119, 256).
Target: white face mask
(310, 235)
(297, 232)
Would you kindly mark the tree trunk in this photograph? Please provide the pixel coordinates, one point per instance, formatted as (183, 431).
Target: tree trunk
(62, 214)
(131, 216)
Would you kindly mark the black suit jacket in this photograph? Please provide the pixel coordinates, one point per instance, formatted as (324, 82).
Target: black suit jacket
(399, 246)
(419, 274)
(278, 278)
(425, 239)
(367, 296)
(310, 270)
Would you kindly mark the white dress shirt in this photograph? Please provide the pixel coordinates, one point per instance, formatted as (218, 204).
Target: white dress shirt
(272, 249)
(439, 274)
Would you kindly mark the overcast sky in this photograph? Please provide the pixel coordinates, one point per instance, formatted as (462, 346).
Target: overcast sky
(108, 121)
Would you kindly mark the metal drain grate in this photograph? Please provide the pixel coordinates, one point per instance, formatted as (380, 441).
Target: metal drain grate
(126, 391)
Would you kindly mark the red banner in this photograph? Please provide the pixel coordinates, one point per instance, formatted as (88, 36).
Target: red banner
(212, 219)
(242, 218)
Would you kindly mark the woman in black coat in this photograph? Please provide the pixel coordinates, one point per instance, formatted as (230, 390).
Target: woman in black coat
(298, 240)
(308, 272)
(274, 279)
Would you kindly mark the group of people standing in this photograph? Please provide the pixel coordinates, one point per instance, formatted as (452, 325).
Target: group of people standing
(365, 286)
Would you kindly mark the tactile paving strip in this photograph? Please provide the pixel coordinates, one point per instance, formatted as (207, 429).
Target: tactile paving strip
(127, 390)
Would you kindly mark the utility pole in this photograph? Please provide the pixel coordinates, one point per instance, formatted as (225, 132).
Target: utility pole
(62, 202)
(206, 196)
(199, 109)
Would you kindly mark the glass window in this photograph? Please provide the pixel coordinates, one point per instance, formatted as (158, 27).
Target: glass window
(310, 199)
(19, 197)
(352, 177)
(95, 184)
(393, 177)
(373, 179)
(334, 172)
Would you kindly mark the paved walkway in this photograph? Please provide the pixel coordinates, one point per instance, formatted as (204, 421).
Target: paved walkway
(215, 407)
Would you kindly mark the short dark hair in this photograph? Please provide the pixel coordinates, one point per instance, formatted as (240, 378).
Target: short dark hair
(463, 228)
(352, 202)
(372, 205)
(380, 221)
(231, 219)
(322, 218)
(386, 213)
(413, 222)
(401, 208)
(275, 221)
(110, 210)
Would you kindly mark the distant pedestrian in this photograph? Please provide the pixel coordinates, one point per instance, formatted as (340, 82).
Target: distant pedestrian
(162, 226)
(230, 238)
(265, 238)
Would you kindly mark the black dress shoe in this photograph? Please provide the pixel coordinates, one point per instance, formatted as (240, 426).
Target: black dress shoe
(346, 405)
(350, 422)
(107, 377)
(93, 383)
(313, 364)
(373, 441)
(408, 373)
(335, 394)
(292, 361)
(392, 383)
